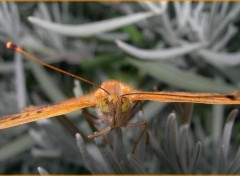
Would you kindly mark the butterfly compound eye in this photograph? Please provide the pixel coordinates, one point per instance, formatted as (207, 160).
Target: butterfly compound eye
(125, 103)
(103, 104)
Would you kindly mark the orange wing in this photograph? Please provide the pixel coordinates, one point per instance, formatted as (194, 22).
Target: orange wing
(205, 98)
(38, 113)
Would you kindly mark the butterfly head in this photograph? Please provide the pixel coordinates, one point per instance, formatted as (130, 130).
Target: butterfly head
(114, 101)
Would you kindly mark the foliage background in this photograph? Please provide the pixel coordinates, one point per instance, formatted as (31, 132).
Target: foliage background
(149, 45)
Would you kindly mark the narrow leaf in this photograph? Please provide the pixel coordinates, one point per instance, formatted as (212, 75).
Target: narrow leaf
(234, 166)
(156, 148)
(42, 171)
(195, 156)
(118, 147)
(183, 147)
(221, 59)
(91, 163)
(90, 29)
(222, 161)
(136, 165)
(186, 80)
(16, 147)
(228, 130)
(112, 161)
(172, 140)
(159, 54)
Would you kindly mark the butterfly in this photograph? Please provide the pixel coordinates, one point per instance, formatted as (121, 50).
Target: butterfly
(115, 99)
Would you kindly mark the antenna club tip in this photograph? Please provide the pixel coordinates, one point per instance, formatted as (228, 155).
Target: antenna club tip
(11, 46)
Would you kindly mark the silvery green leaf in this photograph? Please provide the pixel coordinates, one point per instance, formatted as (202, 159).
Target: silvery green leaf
(166, 73)
(231, 31)
(20, 81)
(16, 147)
(90, 29)
(159, 54)
(50, 37)
(112, 161)
(42, 171)
(199, 8)
(48, 153)
(221, 59)
(116, 165)
(178, 11)
(172, 140)
(171, 36)
(197, 27)
(197, 151)
(227, 131)
(224, 9)
(6, 67)
(154, 6)
(94, 166)
(222, 161)
(15, 19)
(212, 16)
(9, 20)
(118, 147)
(43, 9)
(52, 91)
(231, 16)
(32, 43)
(136, 165)
(51, 135)
(77, 89)
(162, 156)
(198, 128)
(152, 109)
(183, 147)
(217, 122)
(186, 7)
(234, 166)
(140, 147)
(113, 36)
(56, 11)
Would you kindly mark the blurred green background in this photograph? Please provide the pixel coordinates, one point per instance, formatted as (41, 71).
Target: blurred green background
(152, 46)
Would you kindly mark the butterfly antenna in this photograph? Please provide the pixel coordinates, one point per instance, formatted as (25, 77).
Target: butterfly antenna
(14, 47)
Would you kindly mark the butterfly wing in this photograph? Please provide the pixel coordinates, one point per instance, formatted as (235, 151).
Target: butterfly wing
(42, 112)
(205, 98)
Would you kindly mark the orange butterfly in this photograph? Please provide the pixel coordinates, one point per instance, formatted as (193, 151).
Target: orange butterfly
(115, 99)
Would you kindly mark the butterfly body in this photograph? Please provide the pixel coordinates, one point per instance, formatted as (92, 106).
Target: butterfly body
(116, 110)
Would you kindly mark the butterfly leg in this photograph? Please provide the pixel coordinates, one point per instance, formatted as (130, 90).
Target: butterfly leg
(144, 131)
(100, 133)
(68, 125)
(90, 119)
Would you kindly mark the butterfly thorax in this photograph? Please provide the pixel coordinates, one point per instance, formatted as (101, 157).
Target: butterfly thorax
(114, 87)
